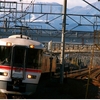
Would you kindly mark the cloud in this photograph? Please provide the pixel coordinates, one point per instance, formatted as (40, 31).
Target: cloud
(58, 1)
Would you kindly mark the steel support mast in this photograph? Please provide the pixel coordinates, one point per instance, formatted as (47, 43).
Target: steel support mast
(63, 41)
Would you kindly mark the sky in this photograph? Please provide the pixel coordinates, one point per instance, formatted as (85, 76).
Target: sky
(70, 3)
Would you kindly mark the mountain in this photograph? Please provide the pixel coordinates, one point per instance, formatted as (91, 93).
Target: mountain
(88, 10)
(57, 22)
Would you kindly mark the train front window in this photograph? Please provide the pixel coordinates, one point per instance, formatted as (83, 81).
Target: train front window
(5, 55)
(33, 59)
(18, 56)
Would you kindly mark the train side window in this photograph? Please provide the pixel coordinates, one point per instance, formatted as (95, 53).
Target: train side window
(5, 55)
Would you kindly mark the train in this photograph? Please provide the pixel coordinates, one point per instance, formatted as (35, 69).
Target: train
(23, 62)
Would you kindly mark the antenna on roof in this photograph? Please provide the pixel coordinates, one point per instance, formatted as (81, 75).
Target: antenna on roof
(21, 29)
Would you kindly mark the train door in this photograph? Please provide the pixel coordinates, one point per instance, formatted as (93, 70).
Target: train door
(18, 61)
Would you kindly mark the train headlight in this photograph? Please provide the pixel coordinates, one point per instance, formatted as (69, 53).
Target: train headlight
(9, 44)
(31, 76)
(5, 74)
(31, 46)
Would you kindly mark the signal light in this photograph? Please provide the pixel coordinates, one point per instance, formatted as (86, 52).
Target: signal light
(9, 44)
(31, 46)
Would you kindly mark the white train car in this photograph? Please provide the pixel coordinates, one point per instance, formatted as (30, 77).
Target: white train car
(22, 62)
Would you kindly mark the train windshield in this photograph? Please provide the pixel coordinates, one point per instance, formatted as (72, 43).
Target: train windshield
(21, 57)
(27, 57)
(33, 58)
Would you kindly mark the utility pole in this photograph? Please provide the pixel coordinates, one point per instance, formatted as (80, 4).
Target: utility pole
(63, 41)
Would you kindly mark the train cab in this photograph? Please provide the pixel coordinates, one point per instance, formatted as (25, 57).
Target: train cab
(20, 65)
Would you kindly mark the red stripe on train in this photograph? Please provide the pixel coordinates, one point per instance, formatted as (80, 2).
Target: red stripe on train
(15, 68)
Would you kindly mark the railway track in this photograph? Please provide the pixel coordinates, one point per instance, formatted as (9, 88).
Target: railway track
(94, 76)
(85, 74)
(6, 96)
